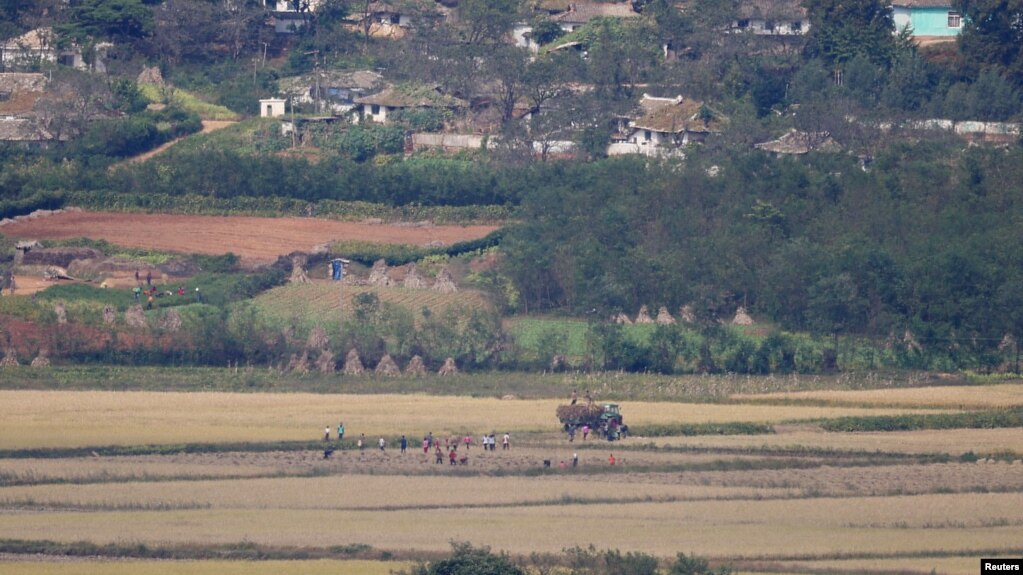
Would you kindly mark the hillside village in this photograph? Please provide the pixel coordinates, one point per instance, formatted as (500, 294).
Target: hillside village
(537, 74)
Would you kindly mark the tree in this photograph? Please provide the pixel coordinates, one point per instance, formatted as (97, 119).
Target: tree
(840, 30)
(992, 35)
(118, 20)
(468, 560)
(486, 21)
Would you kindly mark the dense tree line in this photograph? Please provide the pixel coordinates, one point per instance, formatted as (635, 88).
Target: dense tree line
(925, 239)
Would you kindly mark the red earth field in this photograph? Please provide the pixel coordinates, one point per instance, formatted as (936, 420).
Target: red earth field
(256, 240)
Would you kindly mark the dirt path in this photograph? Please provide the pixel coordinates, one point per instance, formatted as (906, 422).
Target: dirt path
(256, 240)
(207, 126)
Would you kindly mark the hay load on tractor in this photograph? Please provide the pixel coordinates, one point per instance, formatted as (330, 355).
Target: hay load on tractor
(604, 420)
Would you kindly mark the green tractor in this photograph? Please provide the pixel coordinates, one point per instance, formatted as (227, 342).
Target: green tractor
(605, 420)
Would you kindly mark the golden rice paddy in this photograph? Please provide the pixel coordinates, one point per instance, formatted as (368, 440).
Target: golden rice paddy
(37, 419)
(948, 396)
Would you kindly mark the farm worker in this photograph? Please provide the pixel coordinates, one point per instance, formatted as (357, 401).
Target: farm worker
(468, 441)
(575, 460)
(149, 303)
(382, 443)
(341, 431)
(429, 437)
(362, 441)
(181, 290)
(575, 397)
(571, 433)
(486, 442)
(440, 454)
(562, 464)
(506, 442)
(138, 292)
(586, 432)
(404, 444)
(198, 295)
(136, 275)
(452, 456)
(589, 398)
(426, 445)
(149, 278)
(611, 460)
(326, 434)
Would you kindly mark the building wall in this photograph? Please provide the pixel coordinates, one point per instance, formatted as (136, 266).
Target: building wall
(924, 21)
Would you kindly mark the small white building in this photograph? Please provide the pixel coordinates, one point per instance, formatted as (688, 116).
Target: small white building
(271, 107)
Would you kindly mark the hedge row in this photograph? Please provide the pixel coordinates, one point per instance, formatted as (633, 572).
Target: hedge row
(280, 206)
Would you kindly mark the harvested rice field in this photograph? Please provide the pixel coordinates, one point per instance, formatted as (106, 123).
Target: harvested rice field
(49, 419)
(956, 397)
(797, 500)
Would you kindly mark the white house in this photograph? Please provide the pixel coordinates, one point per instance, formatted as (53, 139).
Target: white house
(771, 18)
(662, 124)
(378, 107)
(39, 46)
(331, 91)
(271, 107)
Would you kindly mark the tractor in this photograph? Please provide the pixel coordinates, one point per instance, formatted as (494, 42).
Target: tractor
(605, 420)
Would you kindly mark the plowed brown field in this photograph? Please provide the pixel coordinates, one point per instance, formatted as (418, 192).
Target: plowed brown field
(254, 239)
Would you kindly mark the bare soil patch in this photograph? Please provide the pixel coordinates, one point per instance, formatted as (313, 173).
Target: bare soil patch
(256, 240)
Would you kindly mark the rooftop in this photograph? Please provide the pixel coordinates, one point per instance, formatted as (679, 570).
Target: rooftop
(676, 115)
(583, 12)
(796, 142)
(412, 96)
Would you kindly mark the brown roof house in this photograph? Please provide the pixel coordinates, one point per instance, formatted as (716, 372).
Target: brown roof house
(580, 13)
(663, 125)
(19, 92)
(772, 18)
(331, 91)
(378, 107)
(24, 132)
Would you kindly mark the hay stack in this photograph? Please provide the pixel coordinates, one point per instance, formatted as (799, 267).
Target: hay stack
(445, 282)
(741, 317)
(414, 280)
(663, 317)
(578, 412)
(135, 317)
(171, 321)
(379, 276)
(558, 362)
(317, 338)
(449, 367)
(299, 363)
(621, 319)
(686, 314)
(109, 315)
(41, 360)
(298, 275)
(644, 315)
(353, 365)
(387, 367)
(10, 358)
(416, 367)
(61, 311)
(325, 363)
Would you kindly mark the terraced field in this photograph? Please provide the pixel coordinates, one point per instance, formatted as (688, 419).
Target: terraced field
(310, 304)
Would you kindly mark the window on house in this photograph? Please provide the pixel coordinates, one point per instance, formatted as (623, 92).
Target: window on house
(269, 111)
(797, 26)
(395, 19)
(743, 24)
(954, 20)
(647, 135)
(375, 109)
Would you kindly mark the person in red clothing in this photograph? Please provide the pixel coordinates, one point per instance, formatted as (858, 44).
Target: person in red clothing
(453, 456)
(611, 460)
